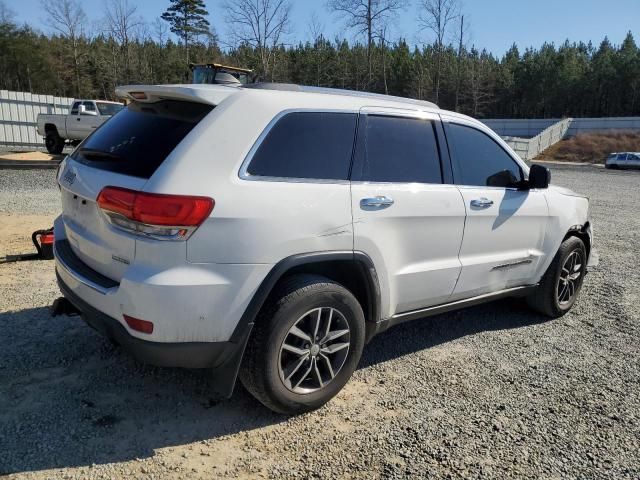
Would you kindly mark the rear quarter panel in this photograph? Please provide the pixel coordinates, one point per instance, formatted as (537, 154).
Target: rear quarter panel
(252, 221)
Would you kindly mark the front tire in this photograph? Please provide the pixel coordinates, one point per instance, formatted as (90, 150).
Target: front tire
(305, 346)
(54, 143)
(561, 283)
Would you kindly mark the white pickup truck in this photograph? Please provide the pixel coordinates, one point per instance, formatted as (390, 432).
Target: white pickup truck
(84, 118)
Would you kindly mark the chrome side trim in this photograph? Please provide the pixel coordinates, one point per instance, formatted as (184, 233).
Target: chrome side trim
(79, 278)
(457, 305)
(512, 264)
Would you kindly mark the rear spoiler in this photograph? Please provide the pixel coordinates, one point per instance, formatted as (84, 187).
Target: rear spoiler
(211, 94)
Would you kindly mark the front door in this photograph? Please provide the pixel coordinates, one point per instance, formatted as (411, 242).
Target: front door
(404, 216)
(505, 224)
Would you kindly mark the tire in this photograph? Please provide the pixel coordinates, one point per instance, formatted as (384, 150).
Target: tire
(54, 142)
(267, 362)
(550, 297)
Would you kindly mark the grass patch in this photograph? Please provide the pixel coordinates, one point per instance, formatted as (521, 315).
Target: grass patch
(592, 147)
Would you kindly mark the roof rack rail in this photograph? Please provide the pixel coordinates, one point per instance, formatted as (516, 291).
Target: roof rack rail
(292, 87)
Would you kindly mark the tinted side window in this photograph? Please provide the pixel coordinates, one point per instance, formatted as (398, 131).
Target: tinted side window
(479, 160)
(89, 106)
(314, 145)
(74, 108)
(396, 149)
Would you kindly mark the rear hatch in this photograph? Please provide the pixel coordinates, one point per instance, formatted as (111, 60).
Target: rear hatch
(124, 152)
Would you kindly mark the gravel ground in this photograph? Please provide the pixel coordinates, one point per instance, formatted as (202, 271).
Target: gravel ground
(28, 192)
(489, 392)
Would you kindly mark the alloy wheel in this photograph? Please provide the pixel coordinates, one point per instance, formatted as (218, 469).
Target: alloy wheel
(314, 350)
(570, 278)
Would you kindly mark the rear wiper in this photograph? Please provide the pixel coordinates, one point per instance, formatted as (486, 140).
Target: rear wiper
(92, 154)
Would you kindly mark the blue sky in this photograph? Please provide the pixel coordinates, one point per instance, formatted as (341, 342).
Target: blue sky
(494, 24)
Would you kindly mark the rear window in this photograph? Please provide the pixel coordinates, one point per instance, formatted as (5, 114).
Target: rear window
(308, 145)
(137, 140)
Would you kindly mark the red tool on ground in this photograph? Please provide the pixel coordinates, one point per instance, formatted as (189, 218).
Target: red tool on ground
(43, 241)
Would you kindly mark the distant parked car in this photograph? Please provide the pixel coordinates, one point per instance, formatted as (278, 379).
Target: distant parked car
(623, 160)
(84, 118)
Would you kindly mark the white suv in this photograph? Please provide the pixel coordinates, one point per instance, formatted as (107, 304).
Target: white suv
(270, 231)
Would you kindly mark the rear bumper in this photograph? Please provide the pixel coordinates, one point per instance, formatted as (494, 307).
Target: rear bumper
(187, 303)
(185, 354)
(223, 357)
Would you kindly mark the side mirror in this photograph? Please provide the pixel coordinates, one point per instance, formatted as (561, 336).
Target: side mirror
(539, 176)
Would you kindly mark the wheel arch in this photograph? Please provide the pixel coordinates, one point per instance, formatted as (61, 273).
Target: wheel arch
(581, 232)
(50, 127)
(354, 270)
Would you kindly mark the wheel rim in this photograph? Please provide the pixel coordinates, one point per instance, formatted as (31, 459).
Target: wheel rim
(49, 142)
(570, 278)
(314, 350)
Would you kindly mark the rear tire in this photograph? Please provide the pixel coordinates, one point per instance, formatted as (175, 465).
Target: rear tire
(54, 143)
(293, 373)
(561, 283)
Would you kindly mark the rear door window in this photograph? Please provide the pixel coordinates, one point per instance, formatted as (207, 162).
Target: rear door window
(306, 145)
(396, 149)
(479, 160)
(74, 108)
(137, 140)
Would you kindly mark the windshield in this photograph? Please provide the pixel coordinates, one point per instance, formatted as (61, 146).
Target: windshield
(138, 139)
(109, 108)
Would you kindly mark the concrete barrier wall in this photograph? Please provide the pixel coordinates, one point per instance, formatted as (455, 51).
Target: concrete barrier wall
(529, 148)
(587, 125)
(516, 127)
(529, 128)
(18, 113)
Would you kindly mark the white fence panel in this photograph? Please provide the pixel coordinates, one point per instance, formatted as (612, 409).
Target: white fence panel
(18, 116)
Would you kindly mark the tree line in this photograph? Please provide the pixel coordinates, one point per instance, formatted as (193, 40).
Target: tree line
(571, 79)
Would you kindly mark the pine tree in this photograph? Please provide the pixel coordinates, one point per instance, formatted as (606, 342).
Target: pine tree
(187, 20)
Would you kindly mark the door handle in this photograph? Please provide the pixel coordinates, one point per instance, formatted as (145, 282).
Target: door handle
(376, 202)
(481, 202)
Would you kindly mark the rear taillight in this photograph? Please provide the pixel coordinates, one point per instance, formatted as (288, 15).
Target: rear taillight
(165, 217)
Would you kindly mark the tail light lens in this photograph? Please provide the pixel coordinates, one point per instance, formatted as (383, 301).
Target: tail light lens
(165, 217)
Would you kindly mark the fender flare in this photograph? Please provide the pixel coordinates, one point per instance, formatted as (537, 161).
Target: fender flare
(359, 259)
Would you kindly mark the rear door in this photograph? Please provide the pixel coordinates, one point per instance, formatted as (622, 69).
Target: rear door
(404, 216)
(505, 226)
(124, 153)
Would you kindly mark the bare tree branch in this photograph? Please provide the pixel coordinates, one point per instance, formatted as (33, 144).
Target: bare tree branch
(437, 15)
(67, 18)
(367, 17)
(7, 15)
(260, 24)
